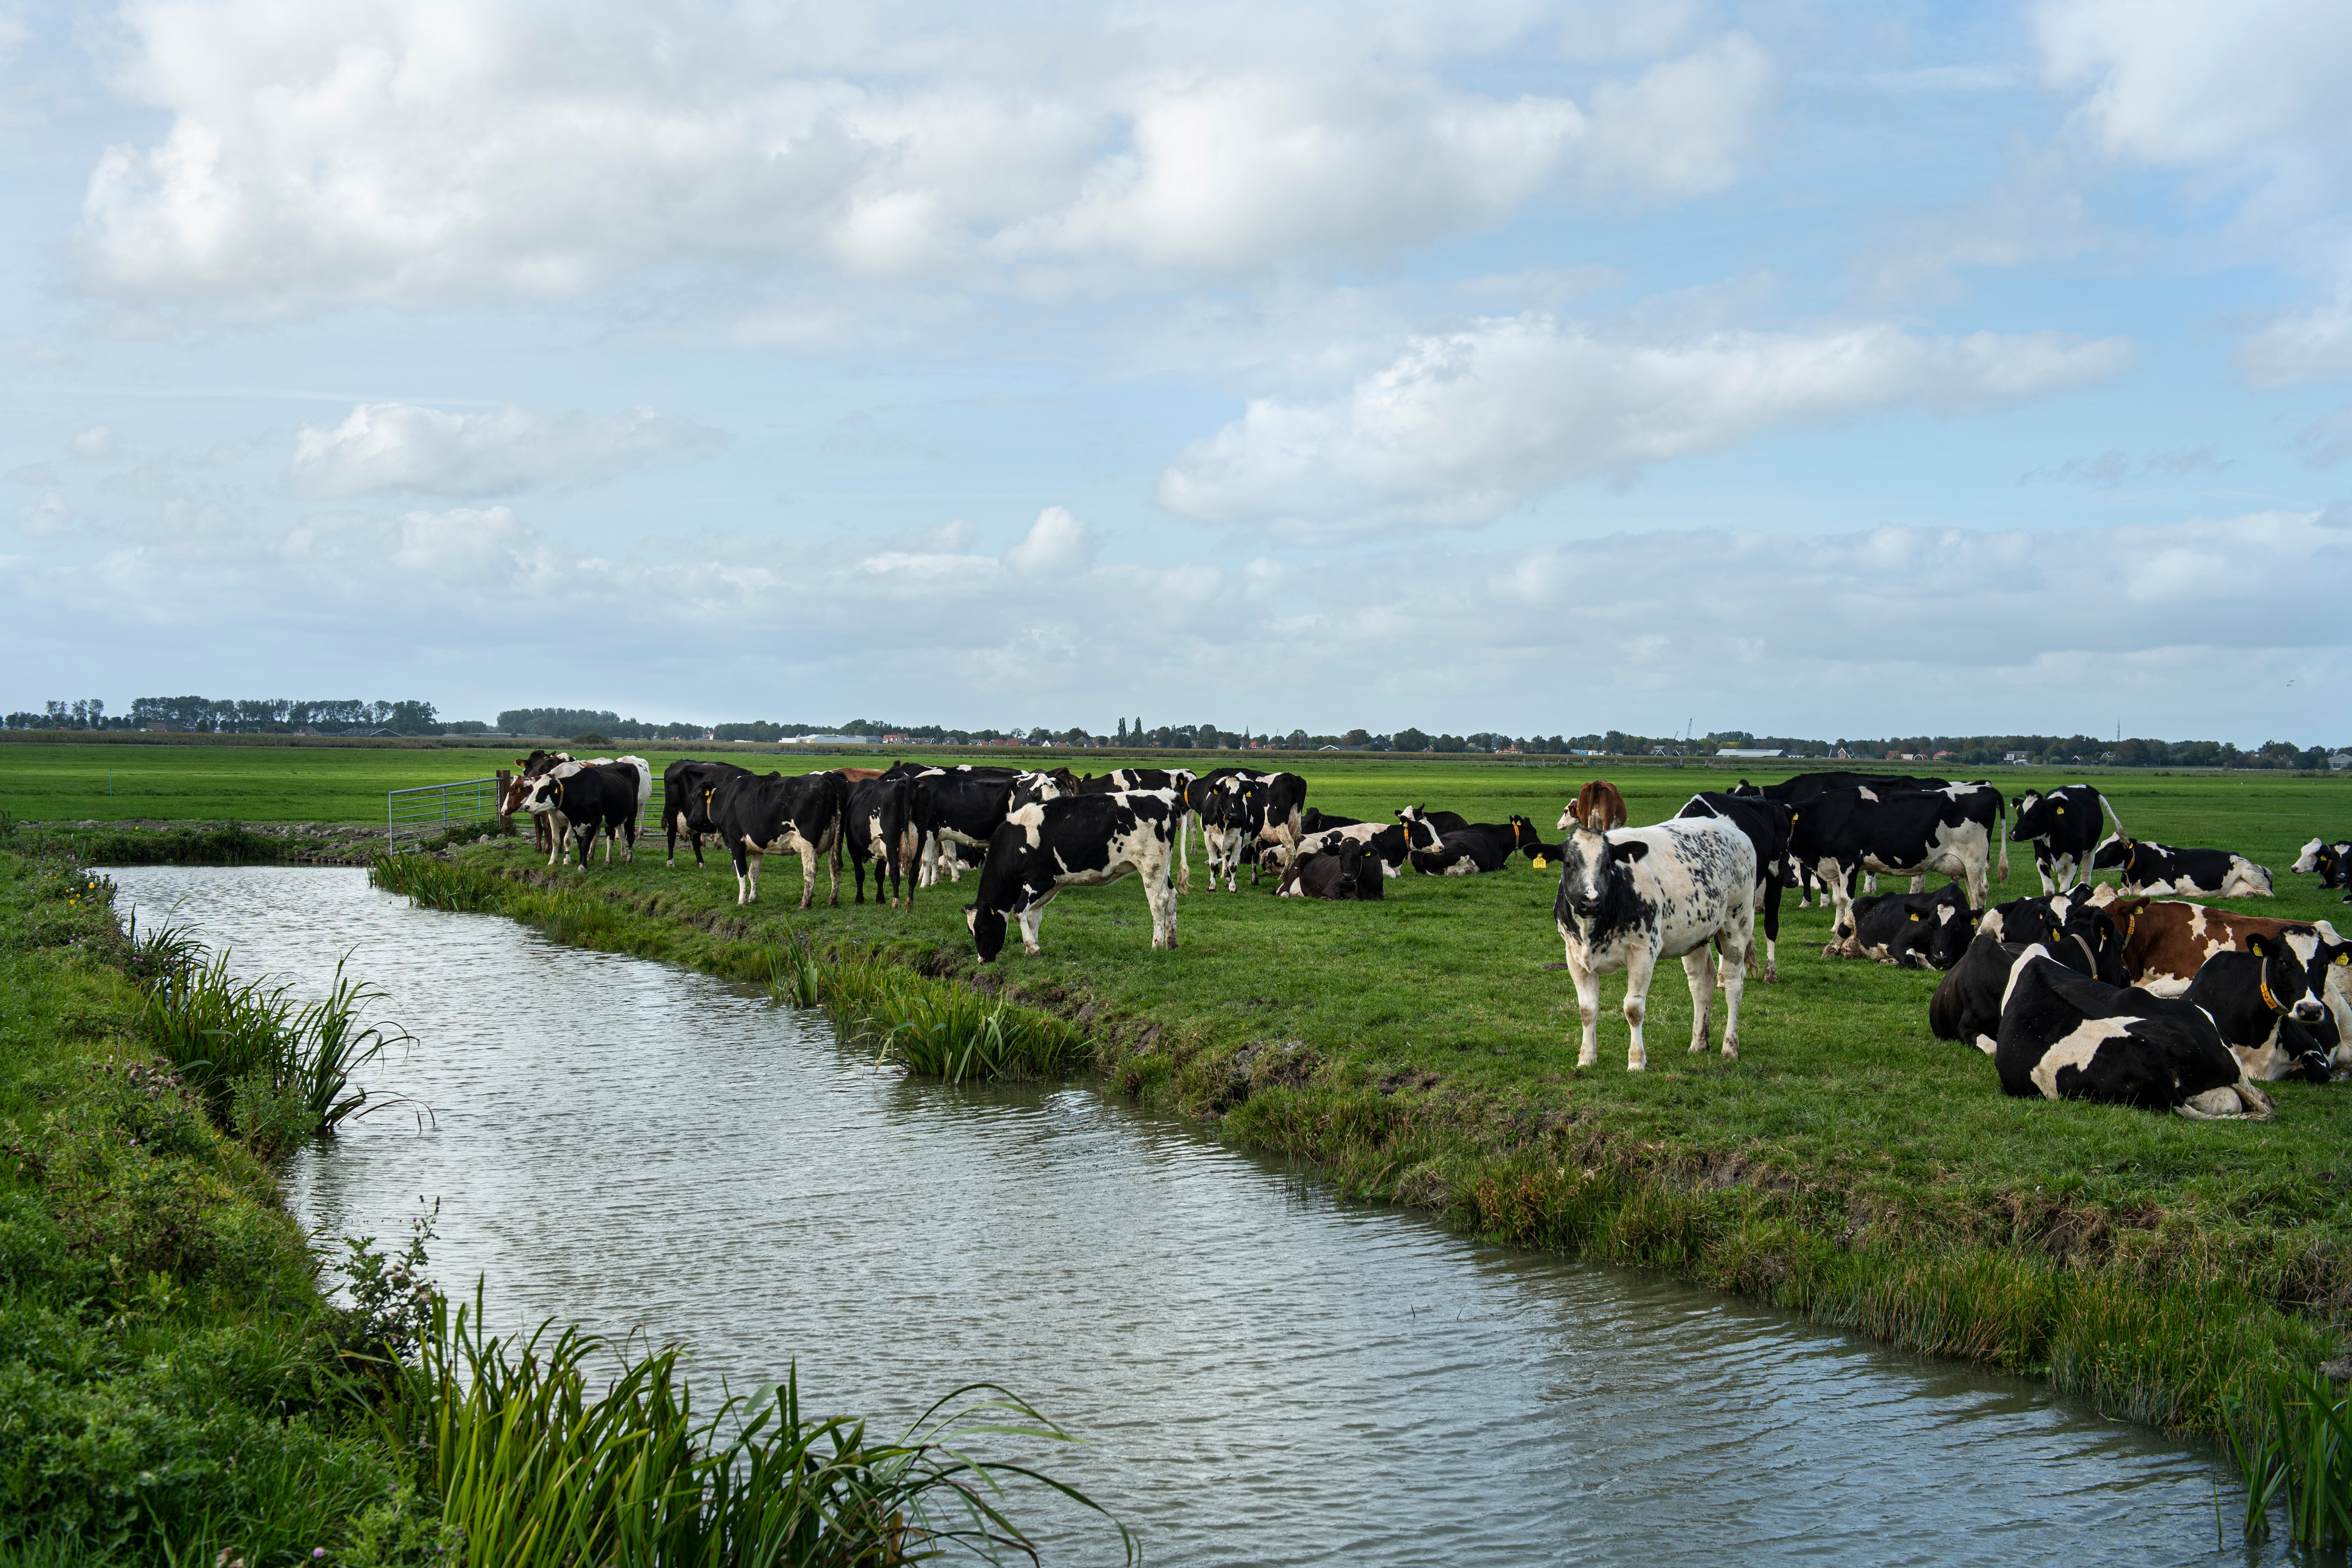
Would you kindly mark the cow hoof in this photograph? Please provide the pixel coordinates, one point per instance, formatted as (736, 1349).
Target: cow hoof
(1730, 1051)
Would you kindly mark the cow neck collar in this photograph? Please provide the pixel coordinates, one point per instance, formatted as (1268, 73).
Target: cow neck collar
(2268, 1000)
(2088, 956)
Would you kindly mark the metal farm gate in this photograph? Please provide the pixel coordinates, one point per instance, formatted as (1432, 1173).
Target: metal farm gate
(413, 815)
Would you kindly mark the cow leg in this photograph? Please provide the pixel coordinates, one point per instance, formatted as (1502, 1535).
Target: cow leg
(1919, 884)
(1031, 918)
(834, 886)
(1183, 849)
(1640, 964)
(1698, 968)
(1161, 897)
(1740, 947)
(1772, 934)
(630, 855)
(1870, 883)
(808, 870)
(1841, 897)
(1588, 1009)
(745, 887)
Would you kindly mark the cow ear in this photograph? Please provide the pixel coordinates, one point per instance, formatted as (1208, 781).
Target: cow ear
(2062, 811)
(2255, 945)
(2343, 958)
(1632, 850)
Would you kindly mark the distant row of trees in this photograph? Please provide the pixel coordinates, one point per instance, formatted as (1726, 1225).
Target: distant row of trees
(260, 716)
(344, 716)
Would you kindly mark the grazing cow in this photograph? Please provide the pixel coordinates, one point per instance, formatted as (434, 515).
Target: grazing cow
(1845, 832)
(1598, 806)
(1966, 1003)
(1353, 870)
(2332, 861)
(1461, 851)
(879, 827)
(2267, 1002)
(2064, 1035)
(1766, 823)
(1387, 844)
(1910, 930)
(2145, 868)
(589, 798)
(1630, 897)
(686, 789)
(2063, 825)
(1082, 841)
(762, 815)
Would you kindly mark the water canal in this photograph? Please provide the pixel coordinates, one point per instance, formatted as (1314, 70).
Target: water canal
(1266, 1373)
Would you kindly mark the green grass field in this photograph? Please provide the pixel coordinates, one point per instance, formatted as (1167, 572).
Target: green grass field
(1848, 1164)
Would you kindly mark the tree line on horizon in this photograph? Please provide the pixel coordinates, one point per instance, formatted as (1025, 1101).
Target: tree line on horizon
(350, 716)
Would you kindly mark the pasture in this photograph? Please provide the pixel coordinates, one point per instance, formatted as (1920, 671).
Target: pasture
(1848, 1164)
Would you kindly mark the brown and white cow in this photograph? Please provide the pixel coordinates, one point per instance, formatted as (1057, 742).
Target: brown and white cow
(1598, 806)
(2167, 942)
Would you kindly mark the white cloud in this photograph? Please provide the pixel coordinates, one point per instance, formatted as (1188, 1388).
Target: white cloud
(1461, 427)
(439, 152)
(44, 517)
(1057, 544)
(97, 444)
(2301, 345)
(2037, 213)
(385, 447)
(2182, 629)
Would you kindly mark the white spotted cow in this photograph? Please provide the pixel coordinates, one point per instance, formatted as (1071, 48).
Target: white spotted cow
(1633, 896)
(1079, 840)
(2145, 868)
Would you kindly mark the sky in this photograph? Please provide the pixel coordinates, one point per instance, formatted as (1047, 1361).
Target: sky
(1832, 370)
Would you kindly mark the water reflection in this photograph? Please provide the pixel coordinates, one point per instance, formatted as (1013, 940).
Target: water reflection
(1267, 1374)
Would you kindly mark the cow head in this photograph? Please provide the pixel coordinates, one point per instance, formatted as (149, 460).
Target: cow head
(2307, 861)
(2113, 853)
(987, 928)
(1418, 834)
(542, 796)
(1594, 871)
(1527, 842)
(2036, 816)
(1956, 928)
(1748, 790)
(2092, 935)
(2287, 979)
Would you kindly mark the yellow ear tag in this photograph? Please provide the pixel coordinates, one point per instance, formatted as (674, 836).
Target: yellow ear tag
(2343, 958)
(1541, 863)
(2062, 811)
(1915, 914)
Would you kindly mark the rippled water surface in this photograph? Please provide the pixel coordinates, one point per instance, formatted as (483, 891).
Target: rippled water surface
(1266, 1373)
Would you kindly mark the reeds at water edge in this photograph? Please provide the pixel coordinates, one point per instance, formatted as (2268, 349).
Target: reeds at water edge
(933, 1027)
(2293, 1450)
(541, 1457)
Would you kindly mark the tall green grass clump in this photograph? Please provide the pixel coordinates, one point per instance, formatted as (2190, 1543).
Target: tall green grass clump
(932, 1027)
(274, 1070)
(2295, 1451)
(538, 1459)
(434, 883)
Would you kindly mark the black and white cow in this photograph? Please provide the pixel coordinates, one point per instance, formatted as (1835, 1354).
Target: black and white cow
(2267, 1002)
(2063, 825)
(1465, 850)
(1966, 1003)
(686, 789)
(1540, 851)
(1631, 897)
(2064, 1035)
(586, 798)
(1910, 930)
(1799, 790)
(1314, 821)
(2145, 868)
(1843, 833)
(959, 805)
(768, 814)
(1351, 871)
(1387, 843)
(1082, 841)
(1766, 823)
(2332, 861)
(878, 828)
(2035, 919)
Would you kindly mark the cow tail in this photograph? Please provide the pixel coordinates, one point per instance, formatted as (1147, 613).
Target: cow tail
(1183, 845)
(2113, 820)
(2000, 817)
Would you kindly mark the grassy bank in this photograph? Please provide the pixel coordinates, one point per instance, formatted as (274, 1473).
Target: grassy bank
(1849, 1166)
(177, 1387)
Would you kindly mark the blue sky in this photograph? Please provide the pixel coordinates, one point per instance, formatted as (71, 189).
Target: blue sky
(1811, 369)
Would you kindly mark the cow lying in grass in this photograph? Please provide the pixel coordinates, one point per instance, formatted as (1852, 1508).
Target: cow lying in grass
(2064, 1035)
(2333, 862)
(1080, 841)
(1387, 845)
(1351, 871)
(1910, 930)
(1630, 897)
(1459, 850)
(2169, 942)
(2267, 1002)
(1966, 1003)
(2145, 868)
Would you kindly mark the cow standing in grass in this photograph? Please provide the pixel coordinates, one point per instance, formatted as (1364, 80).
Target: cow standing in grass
(2063, 825)
(763, 814)
(1081, 840)
(1630, 897)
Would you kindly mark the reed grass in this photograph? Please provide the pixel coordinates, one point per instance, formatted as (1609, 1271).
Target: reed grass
(535, 1464)
(226, 1036)
(433, 883)
(2293, 1450)
(937, 1029)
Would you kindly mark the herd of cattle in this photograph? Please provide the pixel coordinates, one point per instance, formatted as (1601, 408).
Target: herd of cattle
(2115, 993)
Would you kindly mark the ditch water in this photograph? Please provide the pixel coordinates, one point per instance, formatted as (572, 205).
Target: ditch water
(1265, 1374)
